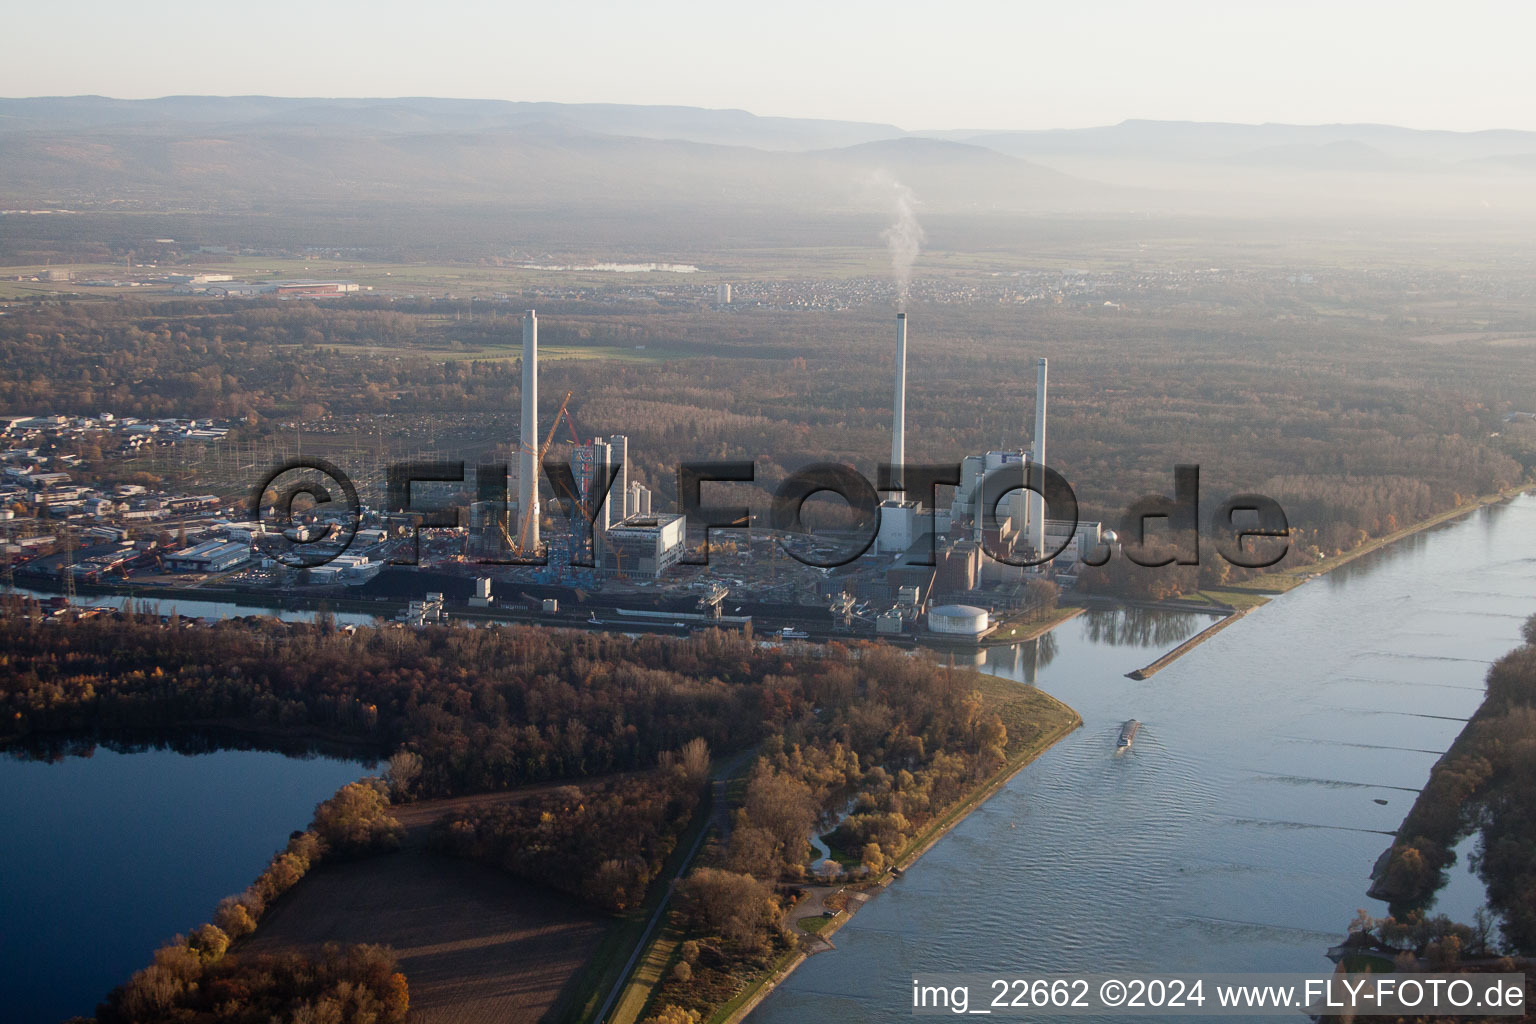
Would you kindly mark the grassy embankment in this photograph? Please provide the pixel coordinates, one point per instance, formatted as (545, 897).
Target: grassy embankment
(1021, 628)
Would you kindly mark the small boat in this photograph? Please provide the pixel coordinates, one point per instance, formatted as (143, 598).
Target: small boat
(1128, 733)
(789, 633)
(593, 620)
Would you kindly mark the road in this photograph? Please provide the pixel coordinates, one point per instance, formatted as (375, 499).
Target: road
(719, 822)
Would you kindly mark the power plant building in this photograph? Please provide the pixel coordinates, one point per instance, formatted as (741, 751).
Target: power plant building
(647, 545)
(638, 502)
(602, 459)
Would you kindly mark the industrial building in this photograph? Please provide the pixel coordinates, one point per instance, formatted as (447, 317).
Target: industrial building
(209, 556)
(647, 545)
(347, 569)
(906, 520)
(242, 289)
(601, 459)
(639, 501)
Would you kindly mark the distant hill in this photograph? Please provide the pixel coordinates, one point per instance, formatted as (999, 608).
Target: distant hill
(416, 115)
(1198, 141)
(266, 154)
(256, 149)
(1341, 155)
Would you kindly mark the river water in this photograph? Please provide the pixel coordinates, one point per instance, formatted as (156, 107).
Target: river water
(106, 857)
(192, 608)
(1273, 764)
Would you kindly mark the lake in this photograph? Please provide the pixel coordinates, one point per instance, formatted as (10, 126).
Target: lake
(108, 856)
(1272, 767)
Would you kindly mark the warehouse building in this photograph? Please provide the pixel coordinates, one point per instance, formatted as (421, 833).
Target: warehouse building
(209, 556)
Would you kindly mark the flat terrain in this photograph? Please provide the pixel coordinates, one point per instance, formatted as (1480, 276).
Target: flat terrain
(476, 945)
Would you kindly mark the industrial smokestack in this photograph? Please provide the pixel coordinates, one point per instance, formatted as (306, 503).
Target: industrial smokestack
(899, 409)
(528, 457)
(1039, 500)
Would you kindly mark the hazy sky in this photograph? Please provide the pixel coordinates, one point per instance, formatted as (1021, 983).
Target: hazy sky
(1069, 63)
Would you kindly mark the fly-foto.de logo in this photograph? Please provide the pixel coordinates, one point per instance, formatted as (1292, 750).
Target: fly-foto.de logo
(1248, 530)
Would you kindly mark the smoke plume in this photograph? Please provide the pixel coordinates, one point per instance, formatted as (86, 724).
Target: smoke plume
(904, 238)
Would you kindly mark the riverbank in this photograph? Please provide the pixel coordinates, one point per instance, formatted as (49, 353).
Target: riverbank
(1009, 700)
(1021, 630)
(1280, 581)
(1238, 599)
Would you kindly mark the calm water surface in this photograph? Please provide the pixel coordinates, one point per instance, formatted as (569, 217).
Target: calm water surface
(167, 604)
(1238, 833)
(106, 857)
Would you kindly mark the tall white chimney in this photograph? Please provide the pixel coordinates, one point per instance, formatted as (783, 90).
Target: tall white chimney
(899, 409)
(1039, 500)
(528, 457)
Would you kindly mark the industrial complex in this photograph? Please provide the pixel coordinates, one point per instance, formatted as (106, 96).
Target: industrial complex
(942, 570)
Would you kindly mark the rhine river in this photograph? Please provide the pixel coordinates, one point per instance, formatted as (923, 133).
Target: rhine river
(1273, 764)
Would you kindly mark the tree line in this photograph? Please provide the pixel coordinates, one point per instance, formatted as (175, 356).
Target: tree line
(603, 842)
(197, 977)
(485, 709)
(1483, 783)
(893, 742)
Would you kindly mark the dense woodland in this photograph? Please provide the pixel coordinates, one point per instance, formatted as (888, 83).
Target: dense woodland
(1483, 784)
(881, 766)
(602, 842)
(338, 985)
(485, 709)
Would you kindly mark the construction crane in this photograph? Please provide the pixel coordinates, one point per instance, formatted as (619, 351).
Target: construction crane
(522, 536)
(617, 554)
(710, 602)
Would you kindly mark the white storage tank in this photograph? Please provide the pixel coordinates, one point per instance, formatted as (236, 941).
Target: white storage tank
(958, 619)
